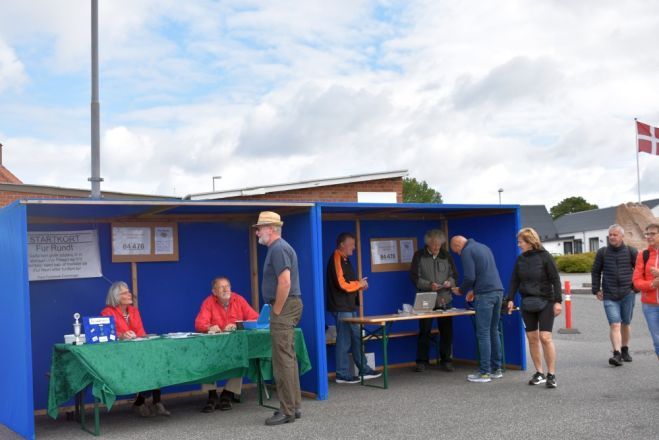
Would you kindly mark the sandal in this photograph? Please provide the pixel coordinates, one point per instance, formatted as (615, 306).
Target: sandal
(209, 407)
(225, 403)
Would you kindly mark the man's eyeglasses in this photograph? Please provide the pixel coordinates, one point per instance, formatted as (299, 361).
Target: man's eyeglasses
(650, 234)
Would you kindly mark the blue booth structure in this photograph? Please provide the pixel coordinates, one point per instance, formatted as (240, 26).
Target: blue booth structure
(215, 238)
(493, 225)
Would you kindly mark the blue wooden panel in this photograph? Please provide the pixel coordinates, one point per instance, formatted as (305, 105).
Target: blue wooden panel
(499, 233)
(299, 230)
(16, 406)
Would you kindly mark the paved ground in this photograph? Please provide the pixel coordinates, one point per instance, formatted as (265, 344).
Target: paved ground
(579, 282)
(593, 401)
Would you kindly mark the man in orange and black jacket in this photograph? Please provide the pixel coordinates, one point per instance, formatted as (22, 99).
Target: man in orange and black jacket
(343, 288)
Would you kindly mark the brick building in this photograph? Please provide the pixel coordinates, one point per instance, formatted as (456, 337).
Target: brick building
(374, 187)
(6, 176)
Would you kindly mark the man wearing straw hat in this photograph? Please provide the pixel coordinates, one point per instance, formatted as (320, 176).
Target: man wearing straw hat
(281, 289)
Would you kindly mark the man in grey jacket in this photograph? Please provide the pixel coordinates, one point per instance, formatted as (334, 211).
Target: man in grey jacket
(611, 277)
(433, 270)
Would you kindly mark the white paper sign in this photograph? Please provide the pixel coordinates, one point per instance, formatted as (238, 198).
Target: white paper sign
(131, 241)
(164, 240)
(406, 251)
(54, 255)
(384, 252)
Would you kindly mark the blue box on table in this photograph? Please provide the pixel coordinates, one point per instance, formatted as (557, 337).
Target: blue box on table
(262, 323)
(99, 329)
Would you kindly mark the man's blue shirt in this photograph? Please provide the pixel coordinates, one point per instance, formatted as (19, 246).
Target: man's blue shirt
(480, 272)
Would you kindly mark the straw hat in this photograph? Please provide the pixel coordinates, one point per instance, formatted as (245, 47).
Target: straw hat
(268, 218)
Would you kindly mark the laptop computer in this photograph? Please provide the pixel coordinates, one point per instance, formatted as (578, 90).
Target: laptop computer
(424, 302)
(262, 323)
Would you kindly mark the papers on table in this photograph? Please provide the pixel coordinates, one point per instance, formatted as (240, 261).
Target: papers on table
(178, 335)
(145, 338)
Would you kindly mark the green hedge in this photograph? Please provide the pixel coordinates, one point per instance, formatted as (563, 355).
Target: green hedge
(575, 263)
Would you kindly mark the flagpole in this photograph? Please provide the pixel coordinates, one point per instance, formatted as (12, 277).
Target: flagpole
(638, 171)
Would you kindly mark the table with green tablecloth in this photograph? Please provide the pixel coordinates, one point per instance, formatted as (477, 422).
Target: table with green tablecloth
(128, 367)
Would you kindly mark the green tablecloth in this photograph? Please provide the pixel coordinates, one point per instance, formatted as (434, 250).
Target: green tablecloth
(259, 348)
(128, 367)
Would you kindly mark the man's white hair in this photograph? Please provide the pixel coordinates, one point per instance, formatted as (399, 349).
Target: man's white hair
(618, 227)
(434, 234)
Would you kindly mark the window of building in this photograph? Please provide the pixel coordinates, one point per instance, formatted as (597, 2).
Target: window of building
(578, 246)
(567, 247)
(593, 244)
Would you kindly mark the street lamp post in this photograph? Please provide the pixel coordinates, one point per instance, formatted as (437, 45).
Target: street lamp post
(95, 179)
(500, 191)
(215, 177)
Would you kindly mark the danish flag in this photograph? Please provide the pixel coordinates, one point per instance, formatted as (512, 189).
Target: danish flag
(648, 138)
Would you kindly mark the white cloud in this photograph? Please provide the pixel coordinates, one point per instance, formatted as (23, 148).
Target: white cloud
(12, 71)
(37, 161)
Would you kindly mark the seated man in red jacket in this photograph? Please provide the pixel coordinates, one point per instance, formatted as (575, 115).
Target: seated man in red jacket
(219, 313)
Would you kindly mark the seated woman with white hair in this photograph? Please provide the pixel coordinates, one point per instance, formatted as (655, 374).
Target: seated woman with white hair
(128, 324)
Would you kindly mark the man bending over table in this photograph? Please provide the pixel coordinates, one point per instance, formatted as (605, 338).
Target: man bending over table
(219, 313)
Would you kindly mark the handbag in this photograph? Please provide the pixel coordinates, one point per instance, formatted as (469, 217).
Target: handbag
(533, 304)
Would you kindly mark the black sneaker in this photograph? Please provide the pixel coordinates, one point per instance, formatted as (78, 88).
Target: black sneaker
(537, 379)
(551, 381)
(447, 366)
(298, 413)
(371, 374)
(352, 379)
(625, 354)
(616, 360)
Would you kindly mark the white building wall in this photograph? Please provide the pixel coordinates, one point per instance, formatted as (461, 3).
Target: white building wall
(557, 247)
(554, 247)
(600, 234)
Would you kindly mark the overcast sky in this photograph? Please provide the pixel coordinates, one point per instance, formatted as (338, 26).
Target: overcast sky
(537, 97)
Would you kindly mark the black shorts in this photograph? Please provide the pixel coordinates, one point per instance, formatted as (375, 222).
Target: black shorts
(544, 319)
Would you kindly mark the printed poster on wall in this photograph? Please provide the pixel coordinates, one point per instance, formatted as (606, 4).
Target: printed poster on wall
(384, 252)
(164, 240)
(392, 253)
(407, 250)
(131, 240)
(55, 255)
(142, 242)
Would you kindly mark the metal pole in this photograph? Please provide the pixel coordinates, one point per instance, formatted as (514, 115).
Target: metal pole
(638, 171)
(95, 179)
